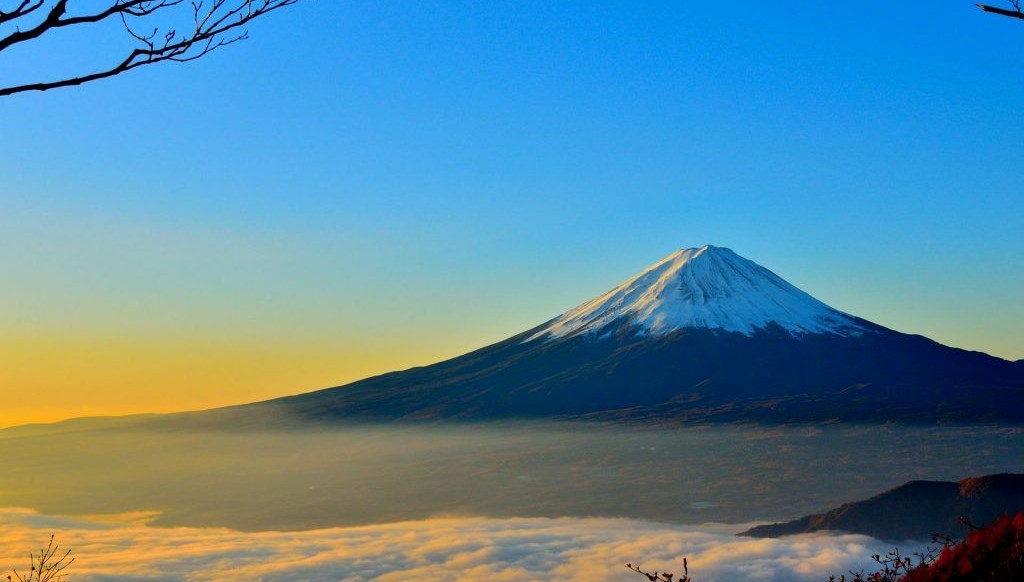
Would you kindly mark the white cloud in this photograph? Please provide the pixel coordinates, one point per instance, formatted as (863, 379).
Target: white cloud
(448, 549)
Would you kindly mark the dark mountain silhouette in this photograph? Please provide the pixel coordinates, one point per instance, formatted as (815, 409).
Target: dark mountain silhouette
(915, 510)
(702, 336)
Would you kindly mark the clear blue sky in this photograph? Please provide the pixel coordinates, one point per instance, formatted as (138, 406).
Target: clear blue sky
(394, 182)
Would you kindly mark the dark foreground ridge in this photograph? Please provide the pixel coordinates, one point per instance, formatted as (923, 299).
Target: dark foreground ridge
(914, 510)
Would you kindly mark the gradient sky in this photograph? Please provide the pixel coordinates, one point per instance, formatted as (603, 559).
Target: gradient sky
(367, 186)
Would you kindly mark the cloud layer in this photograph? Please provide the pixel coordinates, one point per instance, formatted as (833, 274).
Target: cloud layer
(448, 549)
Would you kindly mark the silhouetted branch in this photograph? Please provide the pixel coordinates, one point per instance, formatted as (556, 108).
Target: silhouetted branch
(48, 566)
(1017, 12)
(215, 24)
(663, 576)
(24, 8)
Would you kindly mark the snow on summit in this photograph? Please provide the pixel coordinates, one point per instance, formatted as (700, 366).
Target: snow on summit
(707, 287)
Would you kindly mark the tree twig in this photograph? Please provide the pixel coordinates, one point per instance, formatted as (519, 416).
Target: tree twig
(214, 25)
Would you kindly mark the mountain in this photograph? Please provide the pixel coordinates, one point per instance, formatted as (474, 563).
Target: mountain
(705, 288)
(702, 335)
(914, 510)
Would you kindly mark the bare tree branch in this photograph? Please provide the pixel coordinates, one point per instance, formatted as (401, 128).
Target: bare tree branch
(55, 19)
(1015, 13)
(215, 24)
(663, 576)
(24, 8)
(48, 566)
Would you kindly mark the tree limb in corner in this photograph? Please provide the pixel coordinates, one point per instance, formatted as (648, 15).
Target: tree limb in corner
(212, 24)
(1017, 12)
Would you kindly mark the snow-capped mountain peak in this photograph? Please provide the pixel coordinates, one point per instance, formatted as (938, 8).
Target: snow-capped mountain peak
(706, 287)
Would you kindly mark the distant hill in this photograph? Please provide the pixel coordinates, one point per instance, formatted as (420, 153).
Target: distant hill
(914, 510)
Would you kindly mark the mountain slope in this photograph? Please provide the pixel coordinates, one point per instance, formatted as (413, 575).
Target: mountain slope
(703, 335)
(914, 510)
(690, 375)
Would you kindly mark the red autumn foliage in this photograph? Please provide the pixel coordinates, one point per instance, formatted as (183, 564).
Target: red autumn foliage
(994, 553)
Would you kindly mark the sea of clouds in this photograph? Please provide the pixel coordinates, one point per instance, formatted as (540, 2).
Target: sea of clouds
(125, 548)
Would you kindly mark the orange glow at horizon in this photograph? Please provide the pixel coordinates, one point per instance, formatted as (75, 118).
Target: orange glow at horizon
(52, 379)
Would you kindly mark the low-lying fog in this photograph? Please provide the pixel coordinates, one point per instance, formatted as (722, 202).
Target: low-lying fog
(296, 480)
(434, 550)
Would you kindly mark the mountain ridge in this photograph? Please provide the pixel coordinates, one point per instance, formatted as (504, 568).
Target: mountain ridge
(622, 358)
(915, 510)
